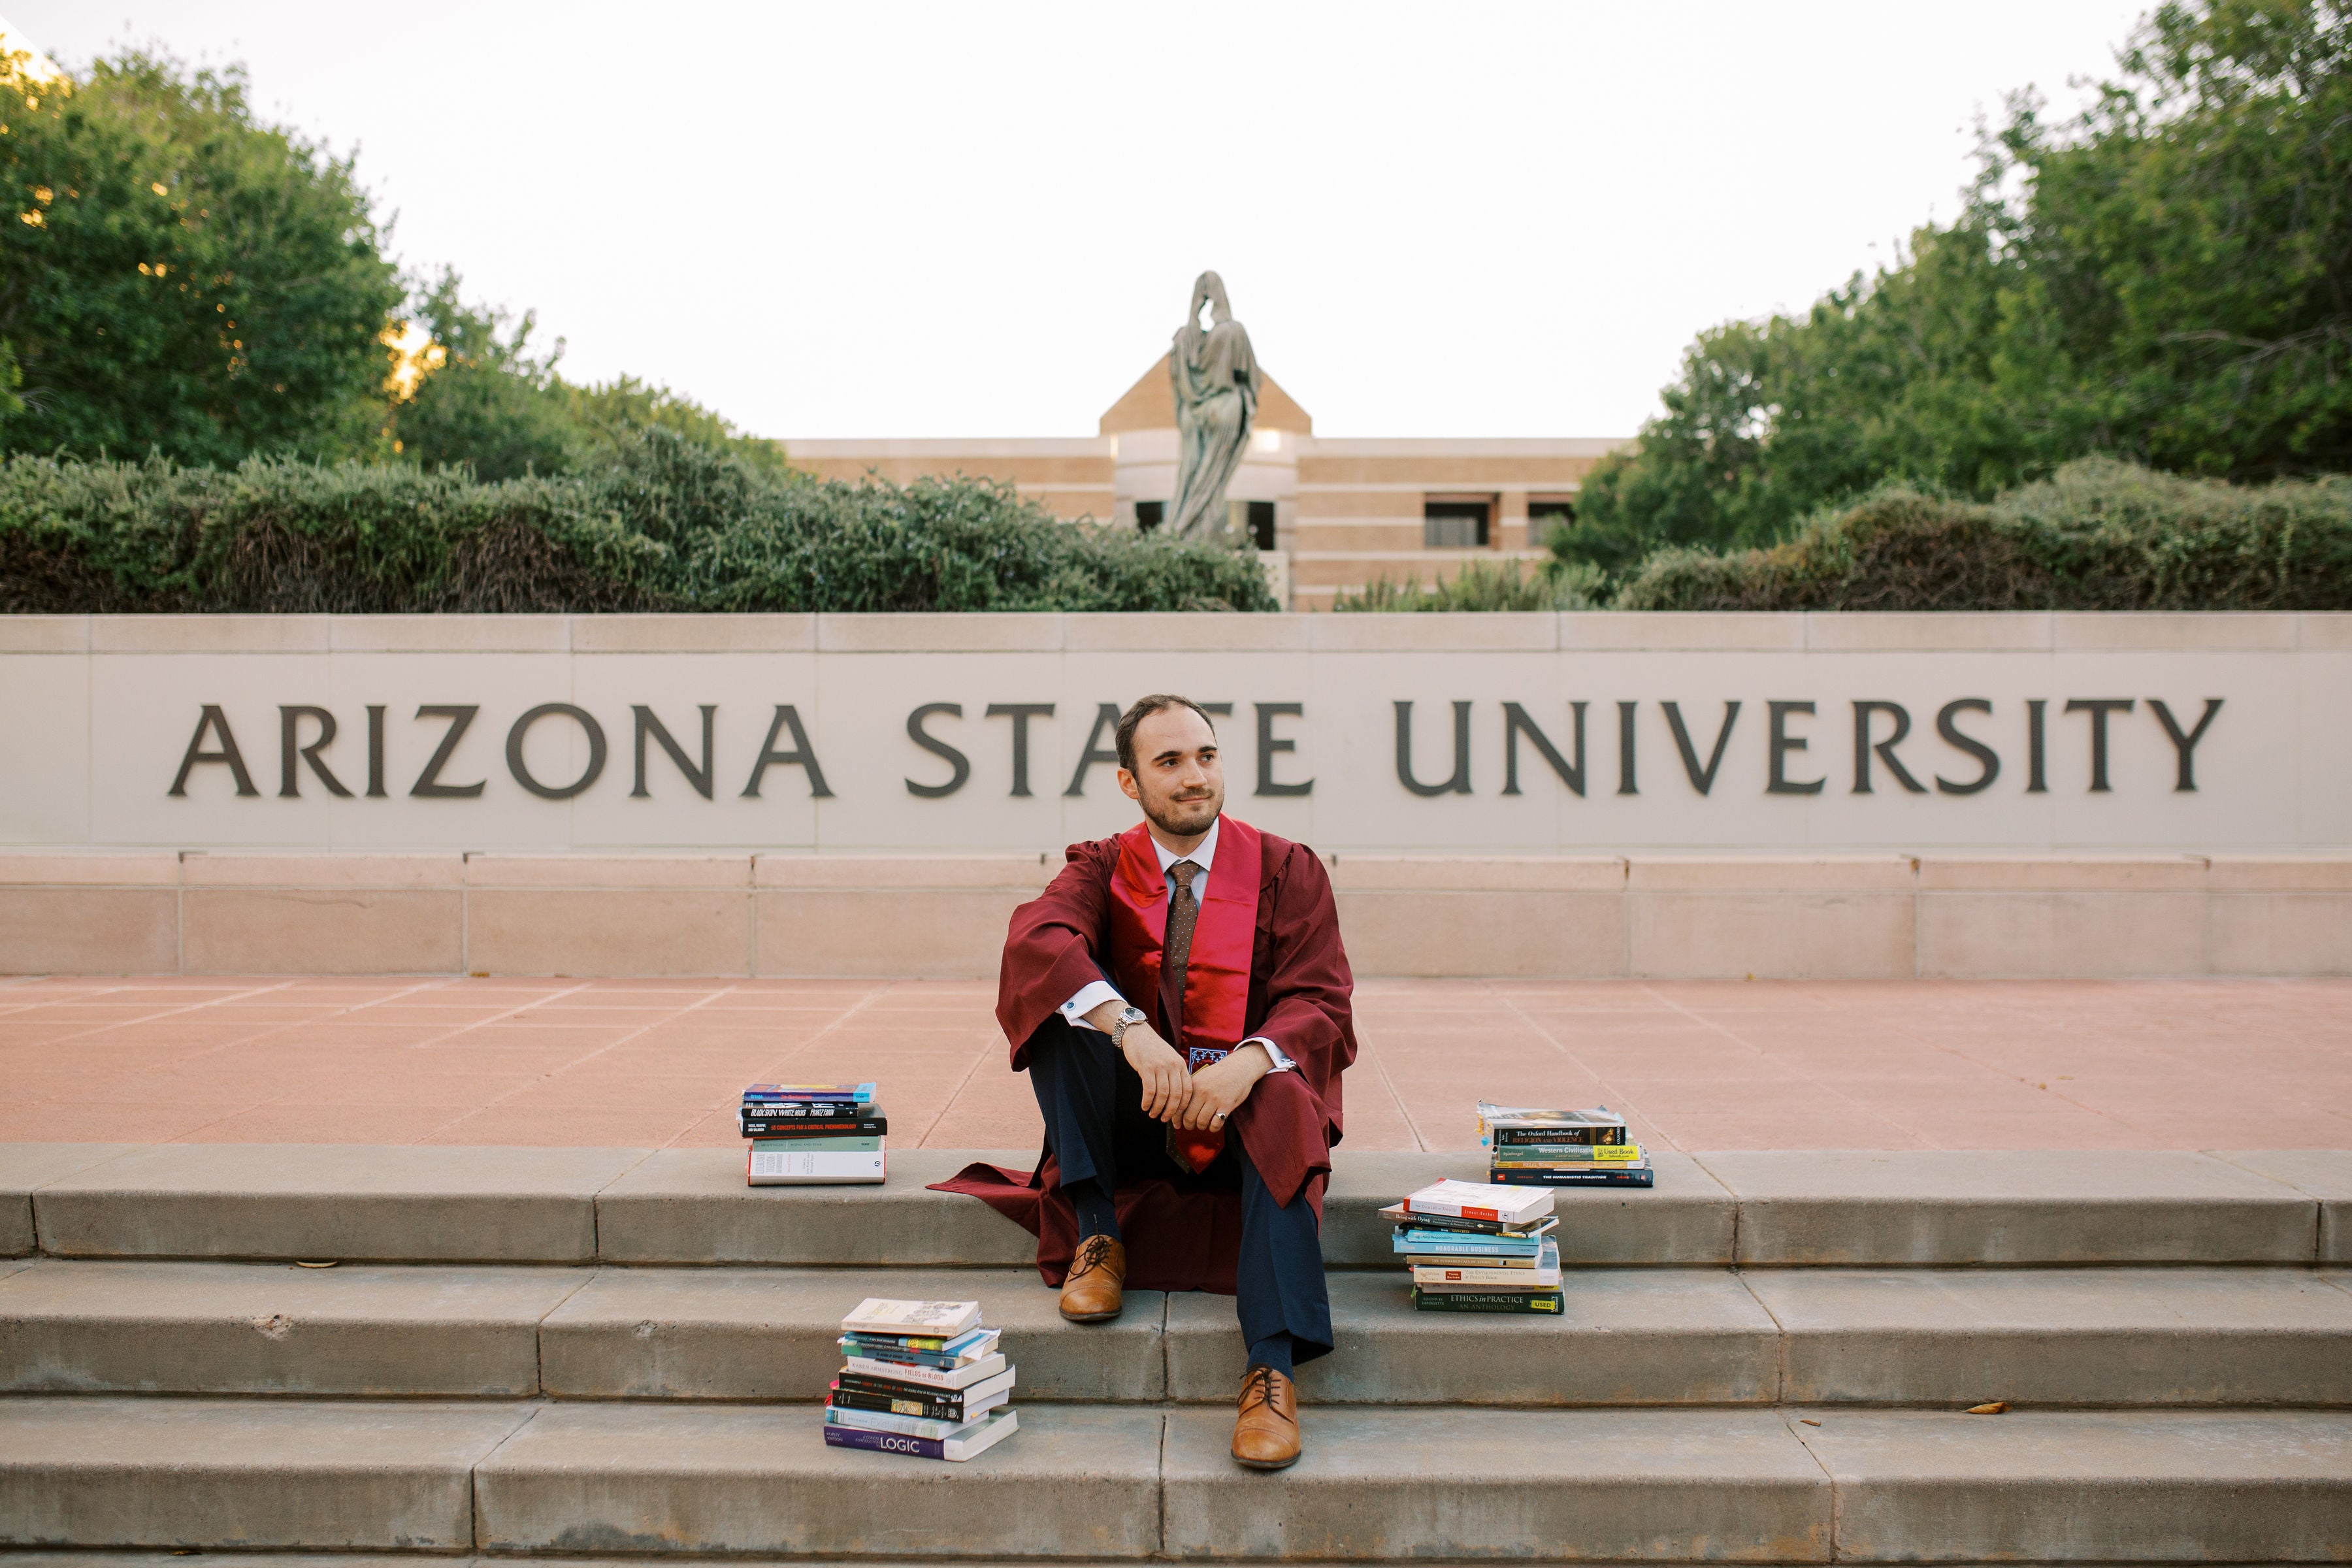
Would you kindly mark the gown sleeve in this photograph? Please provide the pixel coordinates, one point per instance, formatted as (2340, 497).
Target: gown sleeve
(1290, 1120)
(1050, 947)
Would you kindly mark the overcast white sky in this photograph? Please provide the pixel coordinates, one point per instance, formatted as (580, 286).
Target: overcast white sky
(1501, 218)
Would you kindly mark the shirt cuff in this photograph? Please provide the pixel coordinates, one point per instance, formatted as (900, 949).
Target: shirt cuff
(1274, 1053)
(1091, 997)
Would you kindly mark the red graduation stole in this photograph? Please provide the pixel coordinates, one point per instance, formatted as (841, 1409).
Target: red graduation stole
(1215, 1005)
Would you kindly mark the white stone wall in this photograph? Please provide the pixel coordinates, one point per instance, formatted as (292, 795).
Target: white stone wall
(102, 713)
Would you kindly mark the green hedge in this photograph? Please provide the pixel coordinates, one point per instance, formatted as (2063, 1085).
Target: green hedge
(669, 526)
(2099, 535)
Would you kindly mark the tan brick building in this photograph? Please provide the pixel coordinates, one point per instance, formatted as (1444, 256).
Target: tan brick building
(1329, 514)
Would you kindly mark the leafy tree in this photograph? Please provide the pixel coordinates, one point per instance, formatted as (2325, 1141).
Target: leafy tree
(613, 409)
(483, 398)
(2165, 278)
(176, 276)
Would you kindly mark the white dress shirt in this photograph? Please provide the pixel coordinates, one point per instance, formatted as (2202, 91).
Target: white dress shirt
(1203, 855)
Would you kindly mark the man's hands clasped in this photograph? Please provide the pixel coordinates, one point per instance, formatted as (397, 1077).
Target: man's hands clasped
(1166, 1085)
(1198, 1101)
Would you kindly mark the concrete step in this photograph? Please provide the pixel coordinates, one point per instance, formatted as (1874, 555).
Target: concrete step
(273, 1328)
(1919, 1208)
(1076, 1481)
(1106, 1482)
(2062, 1336)
(489, 1331)
(2243, 1336)
(260, 1474)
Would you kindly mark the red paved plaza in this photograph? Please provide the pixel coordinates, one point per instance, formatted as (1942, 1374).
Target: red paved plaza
(1841, 1064)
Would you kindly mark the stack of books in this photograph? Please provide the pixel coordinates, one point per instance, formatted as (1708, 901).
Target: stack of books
(922, 1378)
(1479, 1248)
(812, 1135)
(1532, 1148)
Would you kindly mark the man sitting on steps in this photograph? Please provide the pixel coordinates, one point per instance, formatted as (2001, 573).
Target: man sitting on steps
(1199, 1163)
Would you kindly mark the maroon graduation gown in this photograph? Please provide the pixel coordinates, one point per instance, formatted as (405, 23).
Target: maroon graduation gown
(1299, 988)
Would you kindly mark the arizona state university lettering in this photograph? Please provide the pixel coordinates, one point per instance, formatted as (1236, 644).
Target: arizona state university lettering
(1805, 746)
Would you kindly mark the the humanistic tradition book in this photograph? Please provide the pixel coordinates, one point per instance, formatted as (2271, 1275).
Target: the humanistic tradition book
(1599, 1176)
(949, 1378)
(892, 1397)
(890, 1315)
(860, 1093)
(1474, 1200)
(993, 1431)
(1542, 1274)
(787, 1163)
(1546, 1302)
(905, 1425)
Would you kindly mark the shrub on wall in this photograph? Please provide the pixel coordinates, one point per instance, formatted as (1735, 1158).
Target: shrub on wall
(2098, 535)
(668, 525)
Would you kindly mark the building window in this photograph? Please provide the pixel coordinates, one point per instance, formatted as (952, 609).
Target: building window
(1148, 514)
(1261, 524)
(1546, 513)
(1454, 524)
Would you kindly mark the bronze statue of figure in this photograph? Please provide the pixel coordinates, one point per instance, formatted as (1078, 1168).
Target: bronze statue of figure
(1216, 380)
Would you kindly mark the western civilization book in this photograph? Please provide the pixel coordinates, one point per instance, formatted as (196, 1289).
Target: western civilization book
(1566, 1153)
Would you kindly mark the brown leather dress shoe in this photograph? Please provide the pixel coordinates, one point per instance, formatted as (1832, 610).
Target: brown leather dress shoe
(1091, 1290)
(1266, 1432)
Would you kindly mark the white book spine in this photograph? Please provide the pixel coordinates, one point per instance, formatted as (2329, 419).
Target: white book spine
(792, 1167)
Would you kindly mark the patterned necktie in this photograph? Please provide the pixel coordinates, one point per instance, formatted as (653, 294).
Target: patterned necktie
(1183, 913)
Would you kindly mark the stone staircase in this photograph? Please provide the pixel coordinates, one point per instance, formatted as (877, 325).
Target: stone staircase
(574, 1352)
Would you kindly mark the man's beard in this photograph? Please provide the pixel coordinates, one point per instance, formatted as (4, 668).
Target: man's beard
(1183, 819)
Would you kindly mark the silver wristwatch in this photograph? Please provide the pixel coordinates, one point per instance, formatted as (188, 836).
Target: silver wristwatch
(1121, 1025)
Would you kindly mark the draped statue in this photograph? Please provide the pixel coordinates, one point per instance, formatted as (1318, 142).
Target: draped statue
(1216, 380)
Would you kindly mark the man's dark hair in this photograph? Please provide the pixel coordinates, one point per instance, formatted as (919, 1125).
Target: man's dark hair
(1145, 707)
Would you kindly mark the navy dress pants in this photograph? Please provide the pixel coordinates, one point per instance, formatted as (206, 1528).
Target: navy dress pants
(1093, 1105)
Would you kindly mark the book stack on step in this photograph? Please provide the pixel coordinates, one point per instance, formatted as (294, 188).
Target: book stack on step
(1473, 1247)
(812, 1135)
(921, 1378)
(1529, 1148)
